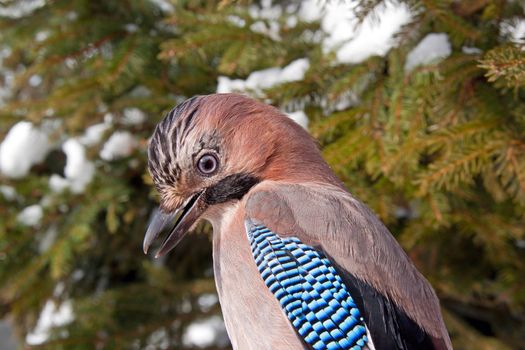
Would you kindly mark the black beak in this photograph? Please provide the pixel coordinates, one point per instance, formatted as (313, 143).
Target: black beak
(190, 213)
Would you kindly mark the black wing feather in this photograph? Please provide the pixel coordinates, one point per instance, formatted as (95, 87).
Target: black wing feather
(389, 326)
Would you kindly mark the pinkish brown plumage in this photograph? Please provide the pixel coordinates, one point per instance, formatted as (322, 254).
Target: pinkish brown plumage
(241, 165)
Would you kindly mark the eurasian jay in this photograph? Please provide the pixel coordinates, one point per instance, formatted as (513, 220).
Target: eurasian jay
(299, 262)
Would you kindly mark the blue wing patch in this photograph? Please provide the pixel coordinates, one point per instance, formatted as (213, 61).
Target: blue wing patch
(309, 289)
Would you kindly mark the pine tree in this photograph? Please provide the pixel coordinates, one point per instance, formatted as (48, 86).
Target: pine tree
(436, 149)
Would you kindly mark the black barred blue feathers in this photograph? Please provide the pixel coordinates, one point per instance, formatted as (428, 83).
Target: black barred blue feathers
(309, 289)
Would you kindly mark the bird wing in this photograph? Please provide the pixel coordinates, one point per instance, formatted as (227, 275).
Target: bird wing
(399, 307)
(309, 290)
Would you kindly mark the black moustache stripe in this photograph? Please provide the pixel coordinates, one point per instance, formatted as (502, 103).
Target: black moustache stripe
(231, 187)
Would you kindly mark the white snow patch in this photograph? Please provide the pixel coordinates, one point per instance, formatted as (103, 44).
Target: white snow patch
(470, 50)
(42, 35)
(225, 84)
(351, 41)
(57, 183)
(265, 78)
(119, 145)
(72, 16)
(46, 200)
(299, 117)
(47, 239)
(266, 11)
(133, 116)
(131, 27)
(60, 287)
(20, 8)
(164, 5)
(311, 10)
(371, 38)
(236, 20)
(71, 62)
(93, 134)
(291, 21)
(79, 170)
(35, 80)
(23, 146)
(207, 301)
(51, 316)
(346, 101)
(78, 275)
(158, 340)
(140, 91)
(109, 118)
(515, 30)
(270, 29)
(433, 47)
(6, 87)
(204, 333)
(8, 192)
(31, 215)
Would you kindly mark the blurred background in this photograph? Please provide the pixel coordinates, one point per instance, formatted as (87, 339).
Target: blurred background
(418, 105)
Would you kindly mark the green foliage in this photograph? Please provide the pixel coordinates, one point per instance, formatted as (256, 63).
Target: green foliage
(505, 63)
(438, 151)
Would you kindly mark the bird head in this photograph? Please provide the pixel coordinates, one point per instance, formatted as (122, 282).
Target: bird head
(209, 151)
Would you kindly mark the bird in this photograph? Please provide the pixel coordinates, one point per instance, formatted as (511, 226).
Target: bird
(299, 262)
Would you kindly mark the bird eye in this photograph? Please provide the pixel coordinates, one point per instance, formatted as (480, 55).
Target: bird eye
(207, 164)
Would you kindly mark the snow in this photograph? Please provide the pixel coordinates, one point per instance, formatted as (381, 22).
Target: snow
(57, 183)
(210, 331)
(140, 91)
(433, 47)
(121, 144)
(291, 21)
(236, 20)
(79, 170)
(8, 192)
(133, 116)
(77, 275)
(265, 78)
(372, 39)
(93, 134)
(164, 5)
(31, 215)
(299, 117)
(42, 35)
(470, 50)
(7, 82)
(266, 11)
(351, 41)
(35, 80)
(311, 10)
(207, 301)
(158, 340)
(226, 84)
(20, 8)
(514, 30)
(270, 29)
(51, 316)
(47, 240)
(23, 146)
(131, 27)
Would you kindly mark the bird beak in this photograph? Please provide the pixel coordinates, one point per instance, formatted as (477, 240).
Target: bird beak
(190, 212)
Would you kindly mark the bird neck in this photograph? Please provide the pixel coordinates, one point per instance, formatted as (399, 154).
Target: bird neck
(298, 164)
